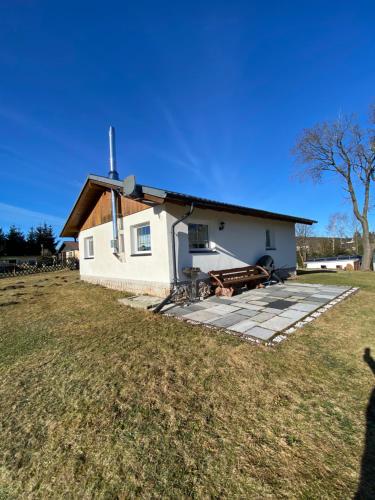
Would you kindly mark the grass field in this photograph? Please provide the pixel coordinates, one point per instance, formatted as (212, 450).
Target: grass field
(98, 400)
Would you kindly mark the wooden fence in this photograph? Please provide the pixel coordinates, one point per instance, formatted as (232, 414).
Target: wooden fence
(43, 266)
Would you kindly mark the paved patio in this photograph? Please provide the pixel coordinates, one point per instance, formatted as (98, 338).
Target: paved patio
(266, 314)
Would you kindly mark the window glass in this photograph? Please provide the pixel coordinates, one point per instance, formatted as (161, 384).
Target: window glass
(198, 236)
(270, 240)
(89, 247)
(143, 239)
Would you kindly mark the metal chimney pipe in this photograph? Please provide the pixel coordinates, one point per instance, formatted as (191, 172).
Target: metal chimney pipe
(113, 174)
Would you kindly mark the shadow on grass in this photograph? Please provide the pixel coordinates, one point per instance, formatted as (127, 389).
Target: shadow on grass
(366, 487)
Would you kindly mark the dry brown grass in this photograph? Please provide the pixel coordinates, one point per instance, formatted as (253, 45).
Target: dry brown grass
(99, 400)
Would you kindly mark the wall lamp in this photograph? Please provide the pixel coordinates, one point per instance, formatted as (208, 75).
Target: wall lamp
(221, 225)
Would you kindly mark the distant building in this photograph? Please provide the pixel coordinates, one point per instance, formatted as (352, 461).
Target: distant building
(11, 263)
(69, 250)
(345, 262)
(30, 260)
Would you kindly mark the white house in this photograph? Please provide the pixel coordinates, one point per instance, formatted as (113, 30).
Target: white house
(347, 262)
(137, 254)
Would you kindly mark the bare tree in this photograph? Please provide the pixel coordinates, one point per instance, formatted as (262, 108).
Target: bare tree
(303, 233)
(337, 228)
(344, 149)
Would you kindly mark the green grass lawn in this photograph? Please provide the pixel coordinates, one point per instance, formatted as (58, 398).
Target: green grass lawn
(99, 400)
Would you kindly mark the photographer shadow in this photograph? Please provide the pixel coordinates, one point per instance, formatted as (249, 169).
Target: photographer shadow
(366, 487)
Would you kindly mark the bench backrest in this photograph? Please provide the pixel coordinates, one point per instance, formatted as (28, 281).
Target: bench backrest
(235, 273)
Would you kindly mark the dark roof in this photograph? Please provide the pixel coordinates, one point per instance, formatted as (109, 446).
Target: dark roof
(173, 196)
(228, 207)
(95, 184)
(68, 246)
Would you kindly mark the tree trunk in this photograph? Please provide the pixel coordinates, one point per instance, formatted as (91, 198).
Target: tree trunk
(300, 256)
(368, 249)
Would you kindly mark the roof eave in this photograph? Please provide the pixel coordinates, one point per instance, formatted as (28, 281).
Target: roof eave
(223, 207)
(177, 198)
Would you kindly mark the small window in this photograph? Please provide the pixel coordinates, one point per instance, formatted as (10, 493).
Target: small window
(198, 237)
(89, 247)
(270, 240)
(143, 239)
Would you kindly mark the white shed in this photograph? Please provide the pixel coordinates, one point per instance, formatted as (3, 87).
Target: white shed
(347, 262)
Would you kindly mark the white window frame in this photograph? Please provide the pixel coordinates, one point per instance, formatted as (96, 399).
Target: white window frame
(134, 231)
(200, 250)
(272, 239)
(86, 247)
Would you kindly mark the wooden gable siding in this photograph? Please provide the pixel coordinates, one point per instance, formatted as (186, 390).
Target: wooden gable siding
(102, 211)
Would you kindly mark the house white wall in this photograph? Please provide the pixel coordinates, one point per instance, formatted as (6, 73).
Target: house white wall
(126, 271)
(240, 243)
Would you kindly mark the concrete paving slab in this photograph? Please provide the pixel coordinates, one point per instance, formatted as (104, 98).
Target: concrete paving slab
(247, 312)
(228, 320)
(271, 310)
(263, 316)
(228, 300)
(280, 304)
(178, 311)
(261, 333)
(282, 294)
(223, 309)
(203, 316)
(252, 307)
(293, 314)
(278, 323)
(242, 326)
(218, 300)
(205, 304)
(327, 296)
(194, 307)
(308, 307)
(140, 301)
(258, 303)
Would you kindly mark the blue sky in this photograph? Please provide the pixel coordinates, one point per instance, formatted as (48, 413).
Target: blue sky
(207, 98)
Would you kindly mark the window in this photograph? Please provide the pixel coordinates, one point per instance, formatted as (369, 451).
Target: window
(88, 244)
(142, 238)
(270, 240)
(198, 237)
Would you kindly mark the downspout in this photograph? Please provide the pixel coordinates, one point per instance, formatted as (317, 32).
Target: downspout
(168, 299)
(113, 174)
(114, 242)
(174, 258)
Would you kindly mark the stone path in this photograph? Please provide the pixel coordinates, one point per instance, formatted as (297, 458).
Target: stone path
(262, 314)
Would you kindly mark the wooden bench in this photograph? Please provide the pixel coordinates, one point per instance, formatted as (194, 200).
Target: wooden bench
(227, 281)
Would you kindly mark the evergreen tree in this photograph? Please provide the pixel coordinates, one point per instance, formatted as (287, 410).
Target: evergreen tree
(31, 243)
(45, 239)
(50, 240)
(15, 242)
(3, 241)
